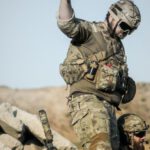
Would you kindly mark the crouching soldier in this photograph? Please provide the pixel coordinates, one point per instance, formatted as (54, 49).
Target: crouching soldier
(132, 129)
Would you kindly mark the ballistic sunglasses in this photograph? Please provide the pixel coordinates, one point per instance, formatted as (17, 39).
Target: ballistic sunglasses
(125, 27)
(140, 134)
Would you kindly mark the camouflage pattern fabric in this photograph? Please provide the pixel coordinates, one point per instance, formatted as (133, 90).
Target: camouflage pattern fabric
(107, 77)
(130, 124)
(128, 12)
(94, 122)
(92, 42)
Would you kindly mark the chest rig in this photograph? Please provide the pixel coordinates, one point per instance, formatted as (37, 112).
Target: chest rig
(100, 60)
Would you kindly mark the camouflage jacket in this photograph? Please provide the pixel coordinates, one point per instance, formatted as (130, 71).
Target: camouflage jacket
(92, 38)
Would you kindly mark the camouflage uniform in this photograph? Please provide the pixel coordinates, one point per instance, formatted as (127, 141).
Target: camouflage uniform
(92, 103)
(93, 113)
(94, 120)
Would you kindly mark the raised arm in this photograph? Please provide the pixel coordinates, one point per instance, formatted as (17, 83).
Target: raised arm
(74, 28)
(65, 10)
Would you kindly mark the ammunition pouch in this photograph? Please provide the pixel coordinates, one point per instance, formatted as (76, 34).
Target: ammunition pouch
(73, 71)
(107, 77)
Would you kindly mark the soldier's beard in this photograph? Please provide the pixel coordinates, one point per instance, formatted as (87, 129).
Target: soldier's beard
(138, 146)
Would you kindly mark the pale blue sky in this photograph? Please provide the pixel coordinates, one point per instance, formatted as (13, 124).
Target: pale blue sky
(32, 46)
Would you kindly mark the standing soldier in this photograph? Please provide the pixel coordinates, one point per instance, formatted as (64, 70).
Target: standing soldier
(96, 70)
(132, 129)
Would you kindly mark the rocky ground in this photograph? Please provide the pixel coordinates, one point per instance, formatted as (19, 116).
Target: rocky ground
(53, 100)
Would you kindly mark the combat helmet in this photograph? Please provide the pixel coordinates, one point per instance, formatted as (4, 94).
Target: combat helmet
(126, 11)
(131, 124)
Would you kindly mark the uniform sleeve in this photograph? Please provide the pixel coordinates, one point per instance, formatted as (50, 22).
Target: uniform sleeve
(74, 28)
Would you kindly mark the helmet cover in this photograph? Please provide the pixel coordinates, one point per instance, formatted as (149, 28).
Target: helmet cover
(126, 11)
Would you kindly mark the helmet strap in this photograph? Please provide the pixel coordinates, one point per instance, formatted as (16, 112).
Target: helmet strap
(108, 23)
(131, 140)
(112, 30)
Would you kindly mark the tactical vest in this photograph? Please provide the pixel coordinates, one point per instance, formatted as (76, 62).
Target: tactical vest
(100, 59)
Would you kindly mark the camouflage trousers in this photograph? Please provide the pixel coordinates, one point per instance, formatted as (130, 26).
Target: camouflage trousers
(94, 121)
